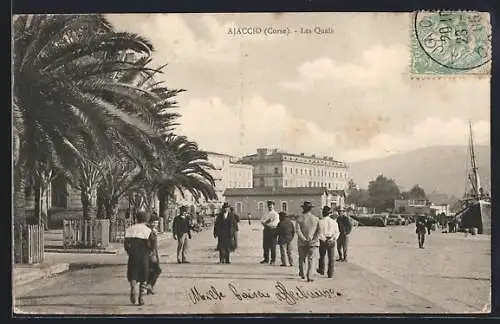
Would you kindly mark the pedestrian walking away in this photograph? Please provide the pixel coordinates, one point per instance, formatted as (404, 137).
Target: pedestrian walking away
(307, 229)
(328, 235)
(249, 219)
(345, 227)
(270, 221)
(154, 260)
(428, 224)
(237, 219)
(225, 229)
(182, 233)
(285, 231)
(421, 228)
(139, 244)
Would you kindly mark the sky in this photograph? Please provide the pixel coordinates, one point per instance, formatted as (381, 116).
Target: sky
(345, 94)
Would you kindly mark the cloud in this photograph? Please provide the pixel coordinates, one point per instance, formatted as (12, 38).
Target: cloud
(255, 123)
(176, 40)
(432, 131)
(376, 65)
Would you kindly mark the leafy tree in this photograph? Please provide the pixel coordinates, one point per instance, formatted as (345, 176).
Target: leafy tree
(416, 193)
(356, 195)
(382, 193)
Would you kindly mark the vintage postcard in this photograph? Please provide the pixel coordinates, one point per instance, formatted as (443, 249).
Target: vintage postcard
(313, 163)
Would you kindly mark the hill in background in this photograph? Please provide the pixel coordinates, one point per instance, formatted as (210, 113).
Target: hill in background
(440, 170)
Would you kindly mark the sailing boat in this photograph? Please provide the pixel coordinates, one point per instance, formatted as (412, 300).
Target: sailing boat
(477, 204)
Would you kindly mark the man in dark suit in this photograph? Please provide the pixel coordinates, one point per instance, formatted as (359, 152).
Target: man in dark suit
(225, 229)
(421, 228)
(345, 228)
(182, 232)
(286, 232)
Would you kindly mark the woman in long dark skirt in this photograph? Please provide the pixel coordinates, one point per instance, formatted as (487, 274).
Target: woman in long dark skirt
(139, 243)
(154, 264)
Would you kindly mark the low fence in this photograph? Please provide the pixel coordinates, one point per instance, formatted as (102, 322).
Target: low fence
(79, 233)
(117, 229)
(28, 243)
(119, 226)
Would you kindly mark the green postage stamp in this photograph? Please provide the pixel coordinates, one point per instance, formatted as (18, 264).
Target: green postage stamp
(450, 43)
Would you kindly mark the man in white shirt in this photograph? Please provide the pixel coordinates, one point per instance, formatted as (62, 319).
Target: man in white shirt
(328, 234)
(269, 220)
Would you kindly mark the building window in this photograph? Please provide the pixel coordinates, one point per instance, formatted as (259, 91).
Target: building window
(284, 170)
(310, 172)
(329, 185)
(296, 171)
(260, 206)
(286, 183)
(276, 183)
(284, 206)
(261, 182)
(238, 207)
(276, 171)
(310, 183)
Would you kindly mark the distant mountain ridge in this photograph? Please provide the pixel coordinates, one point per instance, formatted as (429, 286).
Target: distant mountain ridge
(439, 169)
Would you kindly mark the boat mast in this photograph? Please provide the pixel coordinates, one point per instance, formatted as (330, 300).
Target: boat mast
(474, 176)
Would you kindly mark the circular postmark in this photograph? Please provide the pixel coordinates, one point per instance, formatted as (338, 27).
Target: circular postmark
(454, 39)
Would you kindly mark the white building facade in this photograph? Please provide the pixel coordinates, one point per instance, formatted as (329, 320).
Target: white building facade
(277, 169)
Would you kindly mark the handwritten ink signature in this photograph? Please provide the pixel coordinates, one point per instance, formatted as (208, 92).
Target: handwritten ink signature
(212, 294)
(249, 294)
(291, 296)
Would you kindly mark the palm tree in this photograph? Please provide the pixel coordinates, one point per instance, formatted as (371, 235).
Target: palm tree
(64, 91)
(186, 168)
(120, 176)
(136, 159)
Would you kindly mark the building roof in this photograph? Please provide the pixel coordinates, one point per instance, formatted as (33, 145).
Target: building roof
(242, 165)
(302, 155)
(220, 154)
(289, 191)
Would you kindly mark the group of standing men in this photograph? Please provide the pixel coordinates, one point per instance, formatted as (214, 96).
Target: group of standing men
(322, 233)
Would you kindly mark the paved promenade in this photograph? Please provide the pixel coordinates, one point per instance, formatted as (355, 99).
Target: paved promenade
(387, 273)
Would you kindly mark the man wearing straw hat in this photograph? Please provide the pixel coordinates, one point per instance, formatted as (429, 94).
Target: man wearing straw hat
(182, 232)
(328, 234)
(307, 229)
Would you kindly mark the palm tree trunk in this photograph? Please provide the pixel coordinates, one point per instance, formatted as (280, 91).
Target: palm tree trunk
(162, 198)
(19, 193)
(113, 212)
(37, 220)
(47, 214)
(86, 197)
(101, 204)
